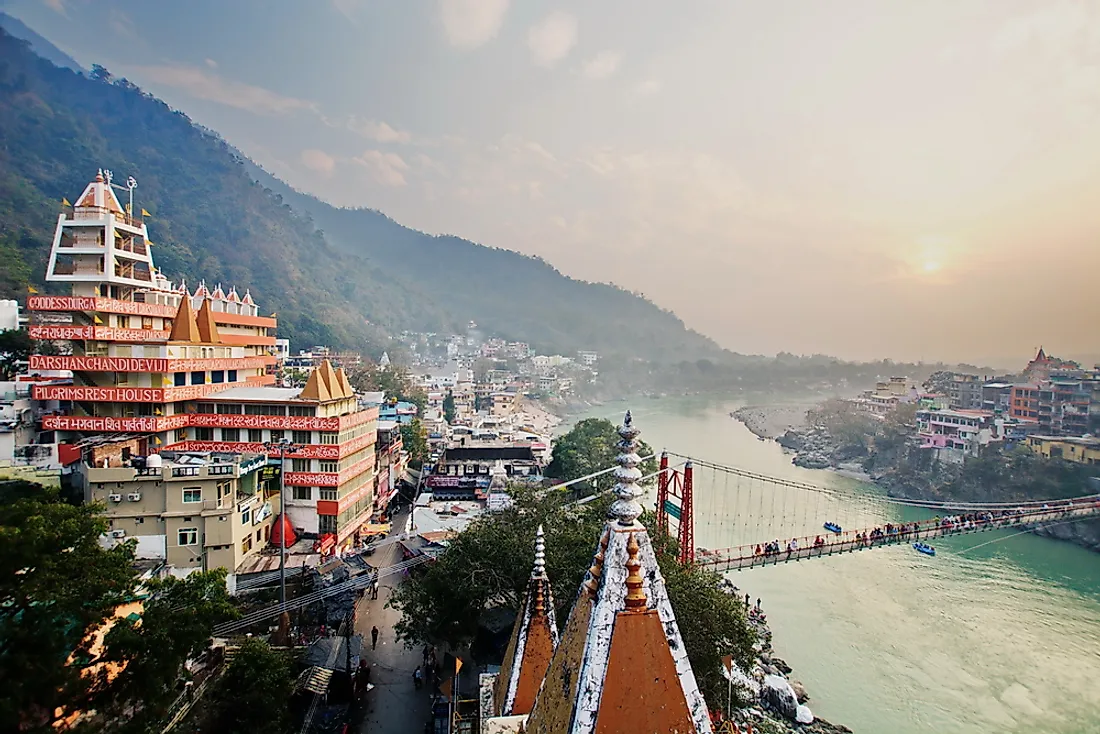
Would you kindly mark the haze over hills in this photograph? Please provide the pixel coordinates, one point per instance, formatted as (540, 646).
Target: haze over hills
(369, 277)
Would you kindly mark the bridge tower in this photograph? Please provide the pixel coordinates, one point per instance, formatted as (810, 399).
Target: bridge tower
(662, 496)
(687, 517)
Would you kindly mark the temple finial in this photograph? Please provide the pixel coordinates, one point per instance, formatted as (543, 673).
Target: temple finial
(625, 508)
(539, 570)
(635, 595)
(592, 584)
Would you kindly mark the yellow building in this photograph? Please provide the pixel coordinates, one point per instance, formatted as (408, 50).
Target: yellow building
(1077, 450)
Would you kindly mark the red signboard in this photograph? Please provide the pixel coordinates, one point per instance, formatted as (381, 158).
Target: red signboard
(309, 451)
(133, 394)
(87, 303)
(327, 479)
(102, 333)
(290, 422)
(111, 305)
(142, 364)
(148, 424)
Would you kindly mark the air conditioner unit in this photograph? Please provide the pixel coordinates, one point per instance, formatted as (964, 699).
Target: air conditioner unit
(118, 533)
(115, 497)
(134, 496)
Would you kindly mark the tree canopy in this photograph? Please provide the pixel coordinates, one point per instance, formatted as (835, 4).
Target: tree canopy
(589, 447)
(57, 584)
(414, 441)
(489, 564)
(254, 692)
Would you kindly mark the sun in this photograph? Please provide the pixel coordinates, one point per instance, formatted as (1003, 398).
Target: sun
(931, 266)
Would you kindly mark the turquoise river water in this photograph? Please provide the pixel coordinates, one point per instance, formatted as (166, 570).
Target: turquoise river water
(1004, 637)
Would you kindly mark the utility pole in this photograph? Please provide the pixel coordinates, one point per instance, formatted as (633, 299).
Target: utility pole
(284, 447)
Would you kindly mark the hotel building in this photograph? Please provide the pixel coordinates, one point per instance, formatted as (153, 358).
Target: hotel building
(191, 371)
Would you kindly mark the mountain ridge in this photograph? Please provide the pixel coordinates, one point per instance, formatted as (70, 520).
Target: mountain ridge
(213, 219)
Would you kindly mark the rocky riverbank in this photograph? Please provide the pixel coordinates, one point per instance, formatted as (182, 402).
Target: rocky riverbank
(774, 703)
(773, 421)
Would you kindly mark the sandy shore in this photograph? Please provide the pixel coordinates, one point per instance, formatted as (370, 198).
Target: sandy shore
(537, 416)
(772, 421)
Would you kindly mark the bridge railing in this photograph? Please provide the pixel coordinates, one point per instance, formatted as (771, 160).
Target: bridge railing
(829, 543)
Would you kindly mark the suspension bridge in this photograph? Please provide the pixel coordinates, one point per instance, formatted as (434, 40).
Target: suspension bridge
(767, 520)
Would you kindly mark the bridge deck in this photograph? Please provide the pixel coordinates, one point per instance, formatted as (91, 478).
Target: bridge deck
(747, 556)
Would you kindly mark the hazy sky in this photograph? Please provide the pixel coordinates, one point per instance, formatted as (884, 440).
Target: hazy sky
(862, 178)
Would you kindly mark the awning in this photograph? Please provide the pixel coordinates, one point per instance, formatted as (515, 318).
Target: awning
(314, 680)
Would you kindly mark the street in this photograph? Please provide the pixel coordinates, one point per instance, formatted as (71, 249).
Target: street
(393, 706)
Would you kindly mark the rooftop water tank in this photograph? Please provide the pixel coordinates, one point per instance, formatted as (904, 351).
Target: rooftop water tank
(154, 461)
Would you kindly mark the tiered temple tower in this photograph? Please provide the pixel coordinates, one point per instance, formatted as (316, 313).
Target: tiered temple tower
(621, 666)
(534, 639)
(190, 371)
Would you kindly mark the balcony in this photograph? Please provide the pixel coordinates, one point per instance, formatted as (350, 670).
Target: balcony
(186, 471)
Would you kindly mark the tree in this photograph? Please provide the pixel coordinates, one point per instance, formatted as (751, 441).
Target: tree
(589, 447)
(449, 407)
(175, 625)
(414, 441)
(254, 693)
(489, 565)
(394, 381)
(15, 347)
(57, 584)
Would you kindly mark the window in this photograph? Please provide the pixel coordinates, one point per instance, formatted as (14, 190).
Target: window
(224, 488)
(326, 523)
(181, 434)
(229, 409)
(277, 435)
(198, 378)
(330, 466)
(187, 536)
(232, 376)
(303, 493)
(301, 436)
(246, 544)
(255, 435)
(147, 322)
(192, 494)
(217, 376)
(300, 464)
(139, 521)
(330, 439)
(204, 434)
(330, 494)
(180, 379)
(123, 322)
(231, 434)
(257, 536)
(301, 411)
(246, 517)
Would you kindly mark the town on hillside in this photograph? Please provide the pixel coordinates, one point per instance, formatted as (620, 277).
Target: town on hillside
(206, 445)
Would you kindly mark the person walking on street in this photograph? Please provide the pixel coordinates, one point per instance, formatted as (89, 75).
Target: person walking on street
(418, 678)
(374, 589)
(374, 638)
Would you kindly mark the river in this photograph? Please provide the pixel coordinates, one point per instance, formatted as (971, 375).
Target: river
(999, 632)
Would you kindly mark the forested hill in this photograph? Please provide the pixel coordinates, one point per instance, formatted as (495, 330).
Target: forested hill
(503, 291)
(212, 219)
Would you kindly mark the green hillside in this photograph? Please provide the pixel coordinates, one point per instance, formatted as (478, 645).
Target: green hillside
(347, 280)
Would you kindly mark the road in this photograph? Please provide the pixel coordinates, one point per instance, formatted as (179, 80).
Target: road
(393, 706)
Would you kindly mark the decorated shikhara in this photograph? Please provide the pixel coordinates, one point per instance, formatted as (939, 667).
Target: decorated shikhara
(189, 370)
(620, 665)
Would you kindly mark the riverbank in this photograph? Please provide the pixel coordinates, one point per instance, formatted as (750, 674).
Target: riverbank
(775, 703)
(772, 421)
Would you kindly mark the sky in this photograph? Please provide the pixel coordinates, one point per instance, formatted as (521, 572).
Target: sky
(858, 178)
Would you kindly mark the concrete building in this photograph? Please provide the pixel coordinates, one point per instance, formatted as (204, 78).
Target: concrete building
(955, 434)
(1079, 450)
(965, 392)
(192, 510)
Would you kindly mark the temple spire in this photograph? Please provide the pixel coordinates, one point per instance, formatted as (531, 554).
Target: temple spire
(625, 508)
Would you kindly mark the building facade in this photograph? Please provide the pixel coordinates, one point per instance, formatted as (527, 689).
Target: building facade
(192, 372)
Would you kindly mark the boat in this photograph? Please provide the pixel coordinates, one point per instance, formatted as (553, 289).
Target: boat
(925, 549)
(833, 527)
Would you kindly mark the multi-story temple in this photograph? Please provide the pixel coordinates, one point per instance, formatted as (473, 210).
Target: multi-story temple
(190, 372)
(620, 666)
